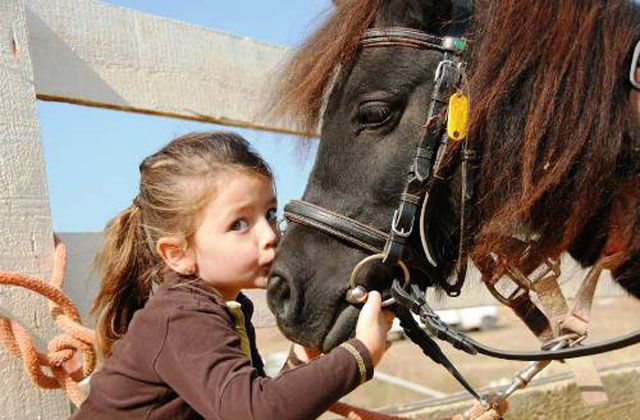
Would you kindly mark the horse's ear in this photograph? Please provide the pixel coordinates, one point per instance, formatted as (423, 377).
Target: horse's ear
(440, 17)
(405, 13)
(450, 17)
(458, 20)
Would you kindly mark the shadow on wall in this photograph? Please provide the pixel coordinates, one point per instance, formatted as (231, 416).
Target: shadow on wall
(81, 281)
(45, 43)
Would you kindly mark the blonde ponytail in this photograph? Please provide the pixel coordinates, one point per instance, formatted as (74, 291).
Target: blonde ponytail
(124, 262)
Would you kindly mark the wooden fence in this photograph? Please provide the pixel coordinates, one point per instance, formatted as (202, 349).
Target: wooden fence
(90, 53)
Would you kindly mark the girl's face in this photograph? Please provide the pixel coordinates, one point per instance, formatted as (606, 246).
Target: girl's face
(236, 239)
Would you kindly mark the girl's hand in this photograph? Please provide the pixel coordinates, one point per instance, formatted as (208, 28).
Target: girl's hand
(373, 324)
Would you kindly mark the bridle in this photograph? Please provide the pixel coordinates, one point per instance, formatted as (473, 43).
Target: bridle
(393, 248)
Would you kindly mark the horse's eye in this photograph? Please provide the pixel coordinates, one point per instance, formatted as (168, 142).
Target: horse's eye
(373, 114)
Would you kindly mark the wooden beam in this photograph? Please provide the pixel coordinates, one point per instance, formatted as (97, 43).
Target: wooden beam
(25, 221)
(91, 53)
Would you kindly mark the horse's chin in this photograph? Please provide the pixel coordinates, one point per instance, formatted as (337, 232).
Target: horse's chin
(342, 328)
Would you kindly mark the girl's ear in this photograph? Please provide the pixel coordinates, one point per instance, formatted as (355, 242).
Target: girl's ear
(176, 255)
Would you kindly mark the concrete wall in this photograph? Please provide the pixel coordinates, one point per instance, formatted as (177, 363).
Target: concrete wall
(82, 282)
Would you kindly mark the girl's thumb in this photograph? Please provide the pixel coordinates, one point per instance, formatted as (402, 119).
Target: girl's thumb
(371, 308)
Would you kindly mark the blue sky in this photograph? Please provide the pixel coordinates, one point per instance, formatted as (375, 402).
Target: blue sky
(92, 155)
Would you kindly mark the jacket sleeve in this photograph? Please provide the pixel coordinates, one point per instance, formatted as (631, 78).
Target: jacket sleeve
(202, 361)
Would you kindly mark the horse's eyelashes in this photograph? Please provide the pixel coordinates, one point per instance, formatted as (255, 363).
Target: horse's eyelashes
(373, 114)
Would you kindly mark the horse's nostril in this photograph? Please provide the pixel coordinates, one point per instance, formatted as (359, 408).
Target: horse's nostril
(279, 295)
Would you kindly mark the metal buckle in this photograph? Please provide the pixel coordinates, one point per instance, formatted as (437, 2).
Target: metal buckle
(282, 225)
(523, 283)
(551, 272)
(502, 272)
(400, 231)
(565, 340)
(454, 44)
(439, 70)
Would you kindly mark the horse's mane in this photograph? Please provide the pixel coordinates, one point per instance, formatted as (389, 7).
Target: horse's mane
(309, 71)
(552, 119)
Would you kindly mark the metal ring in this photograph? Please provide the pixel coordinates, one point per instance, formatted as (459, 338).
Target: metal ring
(566, 340)
(634, 65)
(439, 70)
(356, 271)
(282, 225)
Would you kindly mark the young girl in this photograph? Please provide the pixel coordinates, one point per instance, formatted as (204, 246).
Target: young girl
(172, 321)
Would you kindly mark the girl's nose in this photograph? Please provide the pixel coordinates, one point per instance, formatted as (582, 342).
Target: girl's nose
(269, 234)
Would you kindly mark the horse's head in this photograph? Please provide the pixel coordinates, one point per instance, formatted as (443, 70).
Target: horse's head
(369, 134)
(553, 124)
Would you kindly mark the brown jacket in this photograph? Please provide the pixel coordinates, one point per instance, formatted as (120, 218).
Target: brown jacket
(182, 358)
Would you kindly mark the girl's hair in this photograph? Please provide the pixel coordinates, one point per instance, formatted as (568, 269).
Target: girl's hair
(175, 185)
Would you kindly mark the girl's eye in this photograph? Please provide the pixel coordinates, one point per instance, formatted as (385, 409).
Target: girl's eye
(272, 215)
(373, 114)
(239, 224)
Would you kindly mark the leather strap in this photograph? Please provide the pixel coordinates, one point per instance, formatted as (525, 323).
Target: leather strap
(335, 224)
(409, 38)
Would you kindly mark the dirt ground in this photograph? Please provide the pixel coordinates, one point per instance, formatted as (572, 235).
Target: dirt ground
(611, 317)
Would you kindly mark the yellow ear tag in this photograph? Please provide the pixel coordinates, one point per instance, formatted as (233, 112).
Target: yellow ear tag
(458, 116)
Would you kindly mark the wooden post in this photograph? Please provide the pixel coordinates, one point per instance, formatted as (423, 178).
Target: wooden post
(25, 221)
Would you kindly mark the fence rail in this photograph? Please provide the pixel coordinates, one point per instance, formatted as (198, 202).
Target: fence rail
(94, 54)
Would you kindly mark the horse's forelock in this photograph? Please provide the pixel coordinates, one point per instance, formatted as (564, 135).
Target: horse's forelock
(308, 73)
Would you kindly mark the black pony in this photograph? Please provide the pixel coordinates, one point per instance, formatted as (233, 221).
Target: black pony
(553, 123)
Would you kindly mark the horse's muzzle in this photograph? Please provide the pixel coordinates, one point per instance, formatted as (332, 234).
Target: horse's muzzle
(279, 295)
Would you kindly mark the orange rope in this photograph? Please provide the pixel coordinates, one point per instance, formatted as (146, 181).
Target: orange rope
(63, 347)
